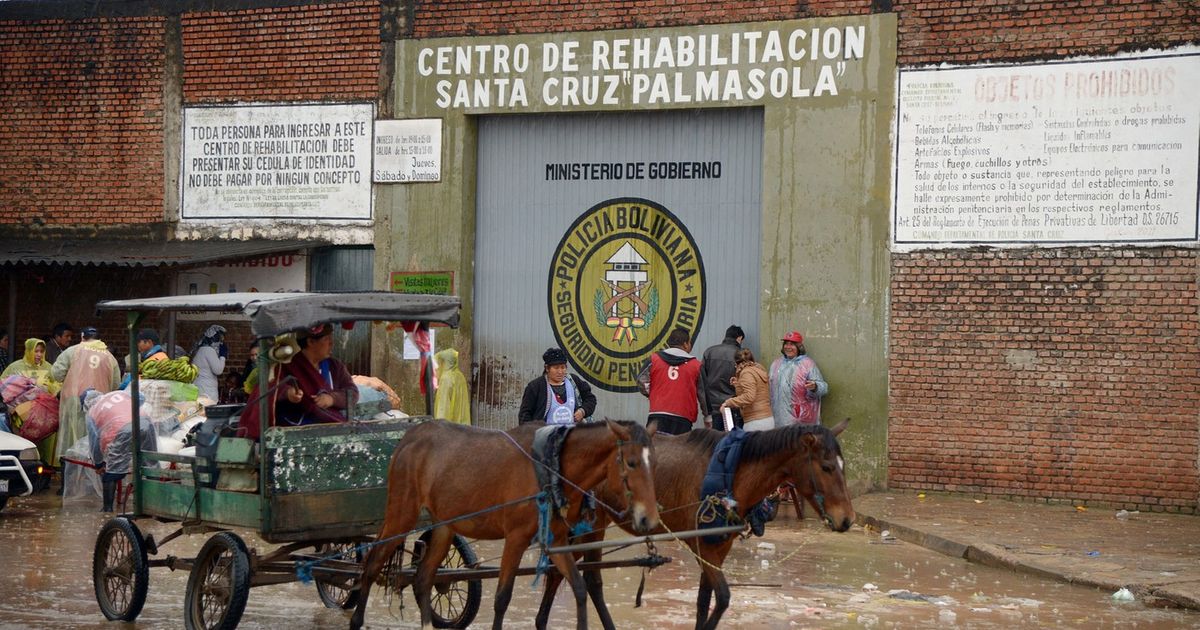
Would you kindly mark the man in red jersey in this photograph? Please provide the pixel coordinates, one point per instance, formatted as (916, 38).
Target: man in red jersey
(671, 379)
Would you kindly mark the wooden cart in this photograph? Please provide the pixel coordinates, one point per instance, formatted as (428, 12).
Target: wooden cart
(318, 491)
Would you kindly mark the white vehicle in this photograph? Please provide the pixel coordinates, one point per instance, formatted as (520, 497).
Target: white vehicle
(21, 470)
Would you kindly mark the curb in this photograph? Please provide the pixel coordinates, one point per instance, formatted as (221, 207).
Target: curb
(1162, 595)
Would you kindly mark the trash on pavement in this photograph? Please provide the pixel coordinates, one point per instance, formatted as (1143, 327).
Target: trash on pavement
(1123, 595)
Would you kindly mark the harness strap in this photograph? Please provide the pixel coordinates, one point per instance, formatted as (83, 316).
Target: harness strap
(718, 507)
(547, 451)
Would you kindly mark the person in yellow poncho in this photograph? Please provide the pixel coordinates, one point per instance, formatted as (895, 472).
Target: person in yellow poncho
(453, 399)
(35, 366)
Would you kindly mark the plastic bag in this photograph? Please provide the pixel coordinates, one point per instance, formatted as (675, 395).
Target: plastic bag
(81, 482)
(39, 417)
(81, 485)
(370, 402)
(17, 389)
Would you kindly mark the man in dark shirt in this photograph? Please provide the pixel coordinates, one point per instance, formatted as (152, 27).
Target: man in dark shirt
(60, 339)
(556, 397)
(716, 371)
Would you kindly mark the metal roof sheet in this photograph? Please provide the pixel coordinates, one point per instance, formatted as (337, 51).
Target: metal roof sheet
(131, 253)
(275, 313)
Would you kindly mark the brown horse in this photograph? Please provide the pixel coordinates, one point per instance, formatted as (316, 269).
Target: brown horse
(441, 471)
(808, 456)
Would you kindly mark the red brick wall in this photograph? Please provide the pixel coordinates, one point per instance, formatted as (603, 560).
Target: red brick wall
(929, 32)
(81, 141)
(1068, 374)
(311, 53)
(952, 31)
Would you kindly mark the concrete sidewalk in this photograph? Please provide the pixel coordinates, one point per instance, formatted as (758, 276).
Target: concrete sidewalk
(1156, 556)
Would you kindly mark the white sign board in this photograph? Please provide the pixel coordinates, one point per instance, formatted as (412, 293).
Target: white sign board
(277, 162)
(1100, 151)
(272, 273)
(408, 150)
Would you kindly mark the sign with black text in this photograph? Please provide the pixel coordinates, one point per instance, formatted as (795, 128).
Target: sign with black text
(408, 151)
(277, 162)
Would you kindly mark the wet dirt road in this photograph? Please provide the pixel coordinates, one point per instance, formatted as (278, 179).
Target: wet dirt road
(811, 578)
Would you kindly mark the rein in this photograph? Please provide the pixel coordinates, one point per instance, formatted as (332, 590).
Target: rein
(608, 508)
(818, 496)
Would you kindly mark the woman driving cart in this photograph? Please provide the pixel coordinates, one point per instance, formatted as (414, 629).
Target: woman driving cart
(312, 388)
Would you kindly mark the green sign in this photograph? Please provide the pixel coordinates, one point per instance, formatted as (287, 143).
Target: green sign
(426, 282)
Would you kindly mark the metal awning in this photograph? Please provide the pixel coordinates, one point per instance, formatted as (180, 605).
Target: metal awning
(275, 313)
(131, 253)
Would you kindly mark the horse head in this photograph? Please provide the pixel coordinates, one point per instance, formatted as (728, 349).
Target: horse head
(632, 473)
(818, 470)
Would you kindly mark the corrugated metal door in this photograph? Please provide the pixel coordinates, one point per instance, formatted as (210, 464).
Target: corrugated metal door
(582, 242)
(346, 269)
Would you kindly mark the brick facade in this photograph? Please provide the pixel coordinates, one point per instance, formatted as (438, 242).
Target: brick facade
(325, 52)
(83, 144)
(1069, 374)
(82, 140)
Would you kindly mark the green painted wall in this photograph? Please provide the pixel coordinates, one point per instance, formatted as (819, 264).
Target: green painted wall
(826, 191)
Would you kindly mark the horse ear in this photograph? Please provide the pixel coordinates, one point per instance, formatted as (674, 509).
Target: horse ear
(619, 431)
(839, 427)
(652, 428)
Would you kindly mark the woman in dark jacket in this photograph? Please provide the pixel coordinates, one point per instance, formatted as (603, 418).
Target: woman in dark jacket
(556, 397)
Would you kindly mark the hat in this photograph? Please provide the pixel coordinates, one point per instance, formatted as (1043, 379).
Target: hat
(320, 330)
(148, 334)
(554, 356)
(89, 332)
(794, 337)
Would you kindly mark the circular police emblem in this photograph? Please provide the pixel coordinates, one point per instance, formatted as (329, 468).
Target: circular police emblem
(625, 274)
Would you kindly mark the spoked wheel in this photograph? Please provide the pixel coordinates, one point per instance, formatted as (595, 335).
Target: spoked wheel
(120, 570)
(339, 591)
(455, 604)
(218, 585)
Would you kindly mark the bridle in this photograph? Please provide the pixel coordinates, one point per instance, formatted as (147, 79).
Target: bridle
(624, 468)
(817, 495)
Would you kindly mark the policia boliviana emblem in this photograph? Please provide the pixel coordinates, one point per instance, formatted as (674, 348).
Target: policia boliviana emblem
(625, 274)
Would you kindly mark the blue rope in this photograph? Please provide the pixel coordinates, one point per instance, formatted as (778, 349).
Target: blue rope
(545, 537)
(581, 528)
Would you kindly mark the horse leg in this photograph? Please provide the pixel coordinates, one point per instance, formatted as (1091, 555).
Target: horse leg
(594, 579)
(565, 563)
(717, 584)
(703, 598)
(377, 557)
(435, 552)
(510, 559)
(543, 615)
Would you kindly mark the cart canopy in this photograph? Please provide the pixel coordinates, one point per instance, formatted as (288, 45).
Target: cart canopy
(277, 313)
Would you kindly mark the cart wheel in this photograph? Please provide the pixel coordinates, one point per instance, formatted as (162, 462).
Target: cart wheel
(218, 585)
(120, 570)
(339, 592)
(455, 604)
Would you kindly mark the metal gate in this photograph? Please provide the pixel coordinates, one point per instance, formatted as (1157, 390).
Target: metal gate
(599, 233)
(346, 269)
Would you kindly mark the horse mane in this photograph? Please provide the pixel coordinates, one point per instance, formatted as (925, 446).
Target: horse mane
(636, 431)
(760, 444)
(703, 439)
